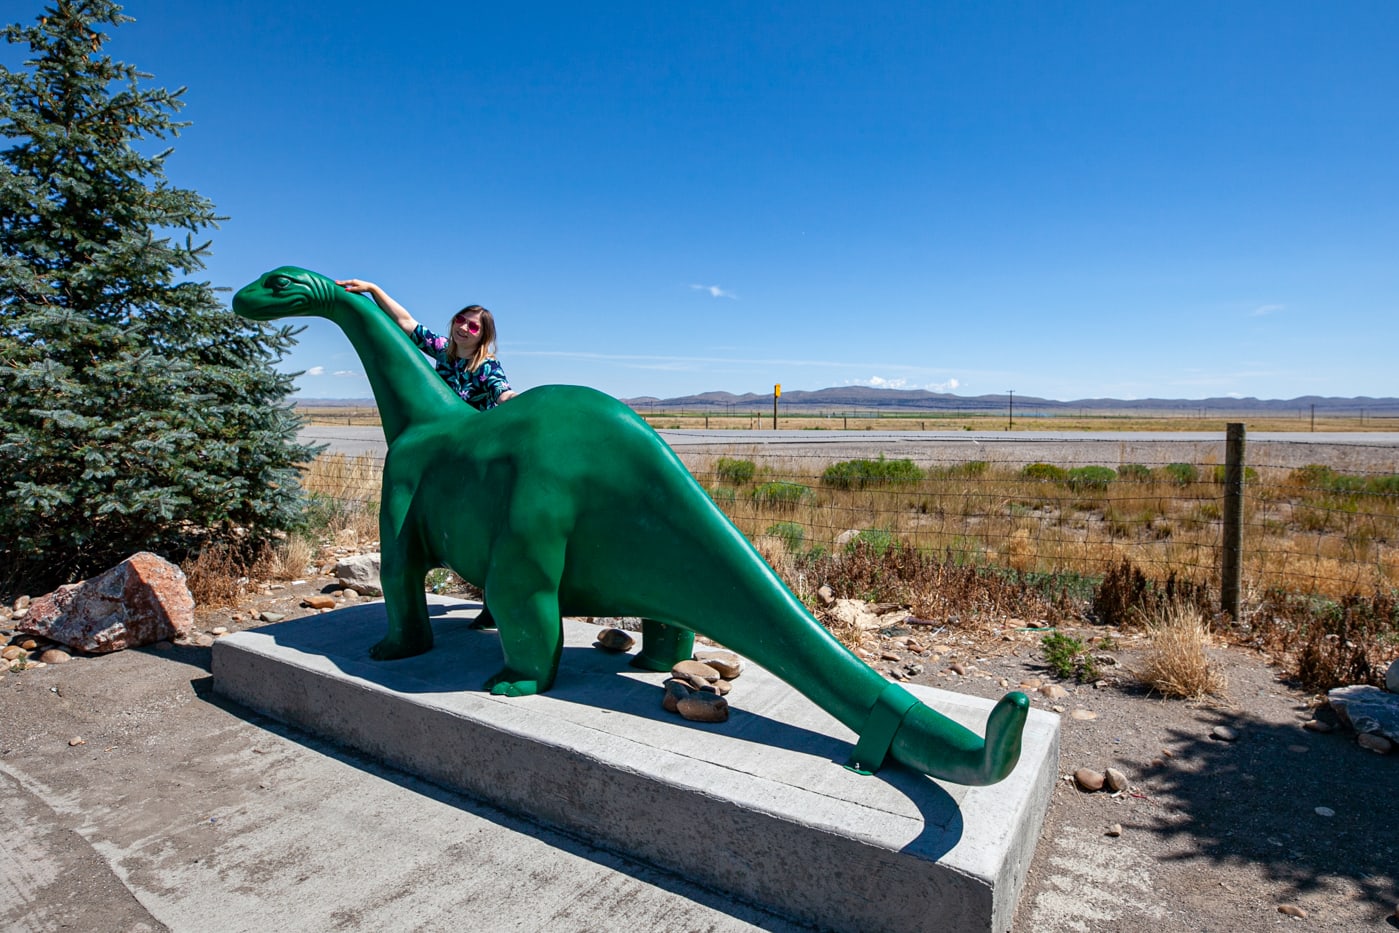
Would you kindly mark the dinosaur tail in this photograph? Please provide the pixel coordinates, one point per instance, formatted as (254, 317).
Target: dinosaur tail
(933, 744)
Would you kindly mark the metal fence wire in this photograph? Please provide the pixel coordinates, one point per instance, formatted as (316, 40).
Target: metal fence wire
(1305, 527)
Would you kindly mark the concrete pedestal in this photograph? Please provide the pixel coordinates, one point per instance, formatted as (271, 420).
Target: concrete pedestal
(757, 807)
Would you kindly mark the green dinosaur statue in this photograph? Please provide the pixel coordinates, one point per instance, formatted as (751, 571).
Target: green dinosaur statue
(564, 502)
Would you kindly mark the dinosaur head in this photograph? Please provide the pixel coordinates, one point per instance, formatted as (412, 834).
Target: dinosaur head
(286, 292)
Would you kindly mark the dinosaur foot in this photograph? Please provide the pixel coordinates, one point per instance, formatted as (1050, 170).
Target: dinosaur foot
(394, 647)
(510, 683)
(483, 620)
(935, 745)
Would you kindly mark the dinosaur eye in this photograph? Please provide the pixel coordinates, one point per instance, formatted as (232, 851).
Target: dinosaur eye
(278, 282)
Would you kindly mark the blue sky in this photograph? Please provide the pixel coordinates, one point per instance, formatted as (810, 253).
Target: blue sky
(1067, 200)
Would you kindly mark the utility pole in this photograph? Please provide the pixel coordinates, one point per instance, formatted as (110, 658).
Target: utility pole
(1011, 425)
(776, 394)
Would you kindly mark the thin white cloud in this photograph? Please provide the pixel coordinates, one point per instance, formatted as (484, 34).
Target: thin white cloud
(1264, 310)
(715, 291)
(347, 373)
(913, 379)
(315, 371)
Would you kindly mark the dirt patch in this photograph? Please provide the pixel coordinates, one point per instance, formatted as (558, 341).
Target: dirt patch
(1215, 834)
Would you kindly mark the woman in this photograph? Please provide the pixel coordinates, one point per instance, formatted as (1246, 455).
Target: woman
(465, 359)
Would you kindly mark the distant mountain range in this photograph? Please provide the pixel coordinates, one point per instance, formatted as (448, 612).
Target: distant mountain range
(863, 398)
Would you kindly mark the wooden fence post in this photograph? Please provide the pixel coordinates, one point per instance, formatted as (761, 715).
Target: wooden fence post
(1231, 558)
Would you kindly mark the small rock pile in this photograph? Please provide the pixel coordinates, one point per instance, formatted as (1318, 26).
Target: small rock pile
(696, 689)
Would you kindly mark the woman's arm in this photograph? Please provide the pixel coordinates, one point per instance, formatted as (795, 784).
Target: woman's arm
(395, 310)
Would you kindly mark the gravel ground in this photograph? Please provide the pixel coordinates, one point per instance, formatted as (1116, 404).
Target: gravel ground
(1215, 835)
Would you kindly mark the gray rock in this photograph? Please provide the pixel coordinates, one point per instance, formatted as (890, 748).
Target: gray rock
(1367, 709)
(359, 573)
(1224, 734)
(1391, 677)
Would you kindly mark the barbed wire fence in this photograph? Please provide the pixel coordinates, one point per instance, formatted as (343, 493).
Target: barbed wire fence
(1325, 528)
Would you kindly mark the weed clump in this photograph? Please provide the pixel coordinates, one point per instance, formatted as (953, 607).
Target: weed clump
(780, 495)
(1182, 474)
(1126, 597)
(857, 474)
(1094, 478)
(1177, 662)
(1134, 472)
(735, 472)
(1045, 472)
(1331, 643)
(792, 534)
(1069, 658)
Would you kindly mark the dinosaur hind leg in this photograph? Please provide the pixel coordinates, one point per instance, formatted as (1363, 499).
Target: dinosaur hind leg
(663, 646)
(933, 744)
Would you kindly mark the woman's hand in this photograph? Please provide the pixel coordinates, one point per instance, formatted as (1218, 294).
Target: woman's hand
(395, 310)
(358, 286)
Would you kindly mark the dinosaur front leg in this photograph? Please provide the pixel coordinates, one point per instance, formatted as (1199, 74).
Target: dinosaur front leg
(402, 569)
(522, 588)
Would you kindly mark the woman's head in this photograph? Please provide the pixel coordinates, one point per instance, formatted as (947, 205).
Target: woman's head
(473, 335)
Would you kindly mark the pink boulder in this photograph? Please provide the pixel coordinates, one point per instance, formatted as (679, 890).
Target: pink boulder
(142, 600)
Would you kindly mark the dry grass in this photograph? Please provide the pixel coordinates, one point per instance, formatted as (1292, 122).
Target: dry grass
(291, 559)
(216, 576)
(1294, 536)
(989, 515)
(1177, 662)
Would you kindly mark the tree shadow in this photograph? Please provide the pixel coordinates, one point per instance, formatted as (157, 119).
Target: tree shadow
(1254, 800)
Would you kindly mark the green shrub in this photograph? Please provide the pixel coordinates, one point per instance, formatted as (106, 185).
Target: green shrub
(1250, 474)
(1182, 474)
(791, 533)
(875, 541)
(1134, 472)
(735, 472)
(1069, 657)
(1386, 485)
(780, 495)
(972, 469)
(723, 494)
(1085, 478)
(857, 474)
(1045, 472)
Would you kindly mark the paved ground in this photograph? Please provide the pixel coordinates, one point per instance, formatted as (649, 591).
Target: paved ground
(181, 812)
(178, 811)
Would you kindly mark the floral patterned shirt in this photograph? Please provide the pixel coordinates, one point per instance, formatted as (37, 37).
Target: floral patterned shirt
(481, 387)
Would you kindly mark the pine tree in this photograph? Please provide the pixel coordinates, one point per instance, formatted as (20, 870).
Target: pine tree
(136, 411)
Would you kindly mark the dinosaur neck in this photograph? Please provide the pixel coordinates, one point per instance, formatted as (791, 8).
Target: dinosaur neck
(406, 388)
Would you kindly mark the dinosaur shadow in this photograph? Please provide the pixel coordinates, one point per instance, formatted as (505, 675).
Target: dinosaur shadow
(597, 680)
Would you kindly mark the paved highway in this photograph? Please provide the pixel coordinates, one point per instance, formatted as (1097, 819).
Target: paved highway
(1369, 452)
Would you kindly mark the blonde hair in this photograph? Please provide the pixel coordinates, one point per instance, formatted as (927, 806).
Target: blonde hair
(486, 348)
